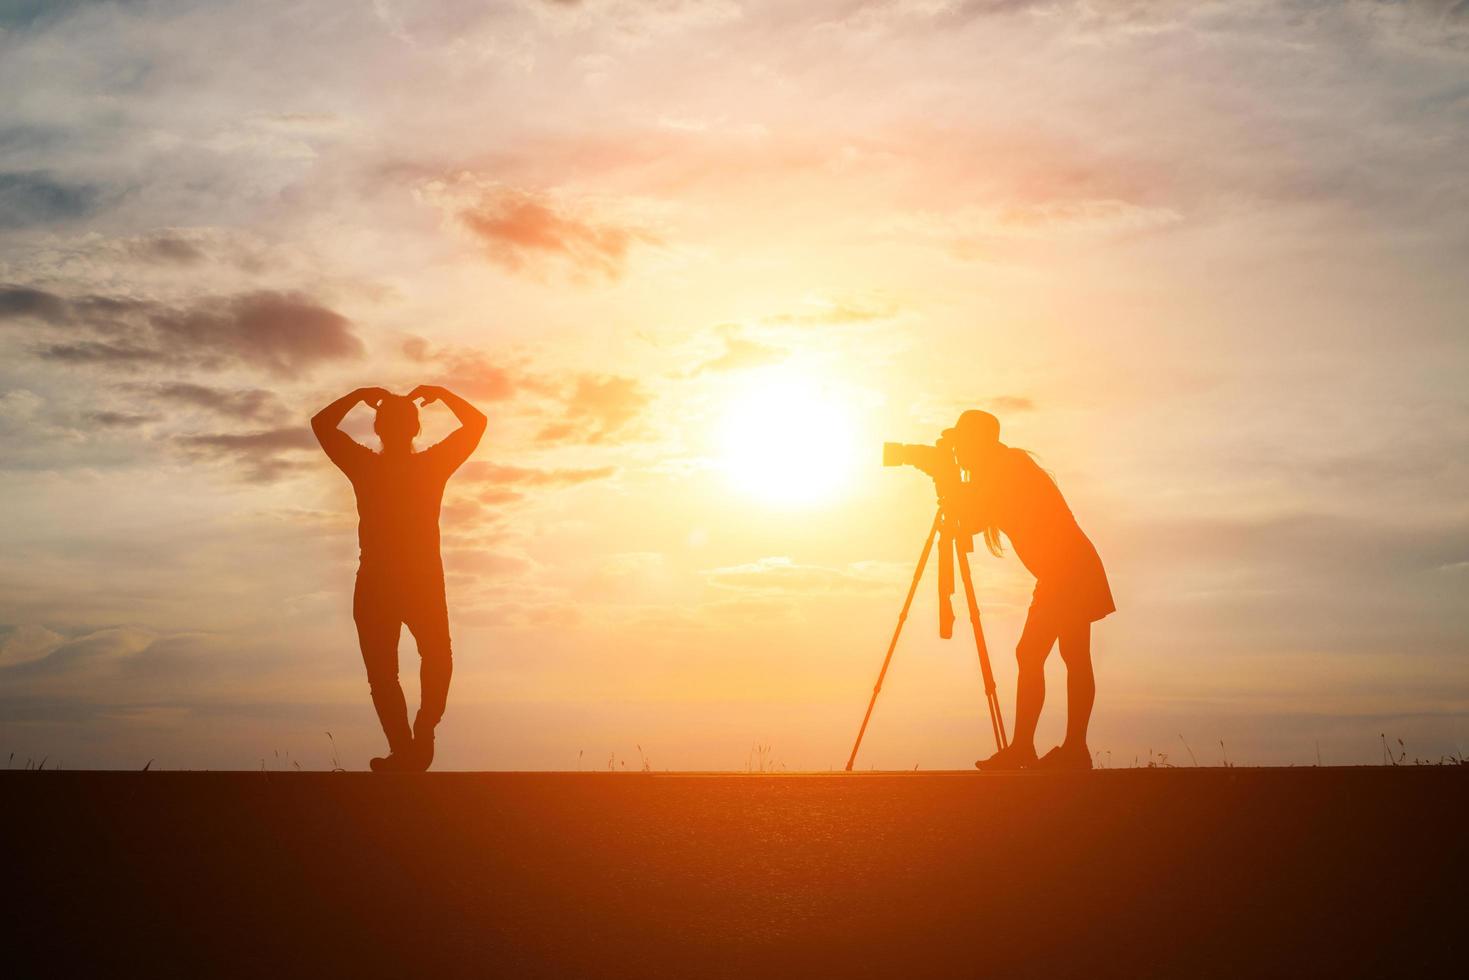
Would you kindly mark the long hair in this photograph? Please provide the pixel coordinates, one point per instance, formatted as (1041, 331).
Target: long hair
(990, 532)
(983, 429)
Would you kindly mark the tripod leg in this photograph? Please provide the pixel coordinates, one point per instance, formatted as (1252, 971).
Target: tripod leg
(893, 645)
(997, 720)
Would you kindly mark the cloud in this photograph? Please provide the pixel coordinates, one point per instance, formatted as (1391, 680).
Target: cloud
(19, 15)
(285, 334)
(262, 456)
(827, 313)
(27, 642)
(740, 353)
(599, 408)
(469, 372)
(35, 198)
(982, 231)
(480, 487)
(18, 302)
(167, 249)
(1009, 403)
(19, 405)
(245, 403)
(780, 575)
(100, 648)
(496, 474)
(517, 228)
(1081, 217)
(536, 231)
(119, 420)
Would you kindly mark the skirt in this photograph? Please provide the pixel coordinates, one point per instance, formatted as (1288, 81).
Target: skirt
(1076, 592)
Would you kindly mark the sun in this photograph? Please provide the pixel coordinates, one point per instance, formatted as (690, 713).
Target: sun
(787, 439)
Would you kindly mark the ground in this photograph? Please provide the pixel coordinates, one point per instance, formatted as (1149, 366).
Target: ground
(1132, 872)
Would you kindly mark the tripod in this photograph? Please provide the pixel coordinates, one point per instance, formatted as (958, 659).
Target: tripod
(952, 542)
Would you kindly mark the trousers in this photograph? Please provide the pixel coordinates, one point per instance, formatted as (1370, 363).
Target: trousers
(383, 602)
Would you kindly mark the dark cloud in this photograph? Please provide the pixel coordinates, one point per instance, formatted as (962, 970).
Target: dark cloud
(98, 352)
(246, 403)
(19, 302)
(167, 250)
(34, 198)
(119, 420)
(265, 440)
(22, 15)
(285, 334)
(520, 229)
(599, 408)
(260, 456)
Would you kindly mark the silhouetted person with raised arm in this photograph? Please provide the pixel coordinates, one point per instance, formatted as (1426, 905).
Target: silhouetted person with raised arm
(400, 577)
(1009, 492)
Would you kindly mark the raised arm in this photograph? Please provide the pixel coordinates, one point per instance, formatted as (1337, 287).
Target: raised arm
(458, 445)
(338, 445)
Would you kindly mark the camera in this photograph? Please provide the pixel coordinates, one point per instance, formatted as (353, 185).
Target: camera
(937, 460)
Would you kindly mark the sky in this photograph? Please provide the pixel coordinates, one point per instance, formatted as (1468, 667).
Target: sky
(697, 261)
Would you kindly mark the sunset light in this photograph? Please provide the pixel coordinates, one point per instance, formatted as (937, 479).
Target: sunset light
(787, 441)
(683, 488)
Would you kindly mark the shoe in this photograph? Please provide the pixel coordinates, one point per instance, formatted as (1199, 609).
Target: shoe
(1067, 758)
(422, 755)
(1008, 759)
(392, 762)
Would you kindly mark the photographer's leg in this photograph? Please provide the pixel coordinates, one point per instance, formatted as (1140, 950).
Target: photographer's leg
(1035, 645)
(1081, 684)
(1036, 640)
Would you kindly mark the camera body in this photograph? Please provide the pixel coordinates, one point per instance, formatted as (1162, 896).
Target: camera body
(938, 460)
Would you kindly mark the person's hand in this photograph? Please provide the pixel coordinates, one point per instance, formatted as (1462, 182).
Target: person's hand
(429, 393)
(372, 397)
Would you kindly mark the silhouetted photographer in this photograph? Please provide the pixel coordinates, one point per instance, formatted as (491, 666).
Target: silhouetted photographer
(1007, 492)
(400, 577)
(987, 488)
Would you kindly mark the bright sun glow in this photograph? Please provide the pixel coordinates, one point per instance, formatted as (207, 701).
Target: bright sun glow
(787, 440)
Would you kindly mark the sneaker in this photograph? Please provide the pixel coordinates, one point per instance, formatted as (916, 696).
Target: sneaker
(422, 755)
(1008, 759)
(1064, 757)
(392, 762)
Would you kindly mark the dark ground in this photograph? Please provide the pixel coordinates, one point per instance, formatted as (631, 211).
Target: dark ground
(1133, 872)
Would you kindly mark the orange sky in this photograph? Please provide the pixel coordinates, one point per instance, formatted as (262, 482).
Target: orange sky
(1205, 261)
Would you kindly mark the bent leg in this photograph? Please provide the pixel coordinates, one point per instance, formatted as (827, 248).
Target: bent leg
(429, 622)
(1081, 684)
(1036, 640)
(378, 629)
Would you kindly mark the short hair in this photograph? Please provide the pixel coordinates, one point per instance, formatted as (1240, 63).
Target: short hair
(397, 415)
